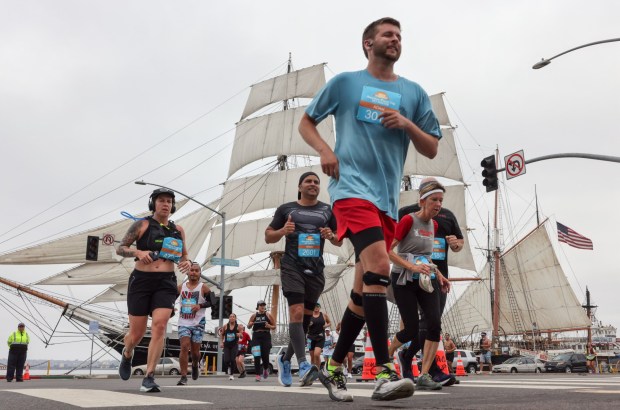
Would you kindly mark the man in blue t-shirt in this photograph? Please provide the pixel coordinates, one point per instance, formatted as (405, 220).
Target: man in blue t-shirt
(378, 114)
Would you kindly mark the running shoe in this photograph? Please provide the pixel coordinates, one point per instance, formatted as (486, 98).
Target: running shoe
(149, 385)
(388, 386)
(265, 374)
(242, 374)
(195, 372)
(426, 383)
(124, 369)
(444, 379)
(257, 378)
(183, 381)
(231, 377)
(334, 381)
(285, 378)
(307, 373)
(350, 376)
(406, 367)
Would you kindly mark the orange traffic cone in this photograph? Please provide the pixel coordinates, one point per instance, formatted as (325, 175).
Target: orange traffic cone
(368, 371)
(27, 372)
(440, 358)
(414, 367)
(397, 364)
(460, 369)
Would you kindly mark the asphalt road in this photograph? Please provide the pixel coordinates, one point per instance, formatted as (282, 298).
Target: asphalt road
(509, 391)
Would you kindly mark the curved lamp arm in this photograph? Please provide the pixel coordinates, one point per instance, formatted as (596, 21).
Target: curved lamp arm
(547, 61)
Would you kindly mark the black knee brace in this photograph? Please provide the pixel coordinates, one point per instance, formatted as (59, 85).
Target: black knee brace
(371, 278)
(356, 298)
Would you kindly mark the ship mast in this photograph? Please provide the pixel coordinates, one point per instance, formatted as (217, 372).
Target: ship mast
(588, 307)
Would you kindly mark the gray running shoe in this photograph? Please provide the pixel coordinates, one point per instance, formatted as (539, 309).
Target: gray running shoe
(124, 369)
(426, 383)
(195, 372)
(183, 381)
(335, 383)
(389, 386)
(149, 385)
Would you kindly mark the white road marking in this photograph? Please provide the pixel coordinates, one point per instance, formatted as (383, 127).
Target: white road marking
(86, 398)
(303, 390)
(575, 383)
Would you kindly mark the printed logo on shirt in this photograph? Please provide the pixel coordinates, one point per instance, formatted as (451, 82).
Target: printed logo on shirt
(439, 249)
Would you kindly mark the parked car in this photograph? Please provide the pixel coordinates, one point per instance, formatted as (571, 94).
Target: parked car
(568, 363)
(470, 361)
(358, 365)
(273, 357)
(166, 365)
(519, 365)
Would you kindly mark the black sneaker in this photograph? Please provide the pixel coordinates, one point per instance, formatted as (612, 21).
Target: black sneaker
(335, 383)
(183, 381)
(405, 365)
(124, 369)
(444, 379)
(242, 374)
(149, 385)
(195, 372)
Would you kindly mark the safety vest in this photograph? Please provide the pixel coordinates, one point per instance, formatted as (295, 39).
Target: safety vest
(18, 338)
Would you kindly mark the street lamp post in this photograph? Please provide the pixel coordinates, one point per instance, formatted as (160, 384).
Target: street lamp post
(222, 266)
(546, 61)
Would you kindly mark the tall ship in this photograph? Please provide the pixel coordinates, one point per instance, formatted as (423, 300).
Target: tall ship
(521, 294)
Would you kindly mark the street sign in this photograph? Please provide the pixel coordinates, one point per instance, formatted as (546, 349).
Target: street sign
(225, 262)
(93, 327)
(515, 164)
(108, 239)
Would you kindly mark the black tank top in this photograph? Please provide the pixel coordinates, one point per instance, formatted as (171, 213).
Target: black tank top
(154, 235)
(230, 335)
(316, 331)
(260, 322)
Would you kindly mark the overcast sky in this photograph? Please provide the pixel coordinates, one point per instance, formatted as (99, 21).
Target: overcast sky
(97, 94)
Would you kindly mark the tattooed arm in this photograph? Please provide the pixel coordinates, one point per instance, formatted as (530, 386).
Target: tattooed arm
(133, 234)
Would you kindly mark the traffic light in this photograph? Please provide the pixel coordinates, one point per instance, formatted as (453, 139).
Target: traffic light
(92, 248)
(228, 305)
(489, 173)
(215, 309)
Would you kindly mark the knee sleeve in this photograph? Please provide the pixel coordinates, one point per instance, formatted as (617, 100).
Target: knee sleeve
(371, 278)
(356, 298)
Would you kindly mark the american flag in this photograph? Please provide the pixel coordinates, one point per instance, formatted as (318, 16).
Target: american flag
(567, 235)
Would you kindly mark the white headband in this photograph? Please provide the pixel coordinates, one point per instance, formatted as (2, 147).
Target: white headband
(429, 193)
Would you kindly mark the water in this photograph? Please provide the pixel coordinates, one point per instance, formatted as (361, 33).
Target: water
(78, 372)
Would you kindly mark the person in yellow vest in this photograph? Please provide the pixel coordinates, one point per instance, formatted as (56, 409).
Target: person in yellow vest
(18, 348)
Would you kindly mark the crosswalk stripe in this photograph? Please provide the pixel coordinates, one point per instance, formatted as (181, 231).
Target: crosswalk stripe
(86, 398)
(574, 383)
(303, 390)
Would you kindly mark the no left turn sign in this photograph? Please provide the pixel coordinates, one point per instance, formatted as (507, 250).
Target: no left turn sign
(515, 164)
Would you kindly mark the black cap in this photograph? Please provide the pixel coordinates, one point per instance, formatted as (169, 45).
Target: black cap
(304, 176)
(21, 325)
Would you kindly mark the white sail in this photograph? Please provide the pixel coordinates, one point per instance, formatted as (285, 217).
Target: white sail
(265, 191)
(454, 200)
(274, 135)
(72, 248)
(537, 285)
(439, 108)
(248, 238)
(302, 83)
(445, 164)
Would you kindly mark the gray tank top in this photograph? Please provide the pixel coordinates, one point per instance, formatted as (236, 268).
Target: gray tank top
(419, 240)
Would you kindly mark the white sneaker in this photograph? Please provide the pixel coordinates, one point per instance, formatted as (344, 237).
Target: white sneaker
(231, 377)
(349, 376)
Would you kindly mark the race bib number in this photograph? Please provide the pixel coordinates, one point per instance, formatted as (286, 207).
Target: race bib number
(186, 305)
(374, 102)
(230, 337)
(422, 259)
(256, 351)
(309, 245)
(171, 249)
(439, 249)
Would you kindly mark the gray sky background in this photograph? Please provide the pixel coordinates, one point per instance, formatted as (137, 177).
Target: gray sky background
(87, 86)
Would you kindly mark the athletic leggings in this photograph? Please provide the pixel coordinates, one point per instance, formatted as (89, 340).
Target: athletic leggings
(230, 354)
(408, 297)
(262, 339)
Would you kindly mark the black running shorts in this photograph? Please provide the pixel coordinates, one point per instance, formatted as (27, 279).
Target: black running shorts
(309, 285)
(147, 291)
